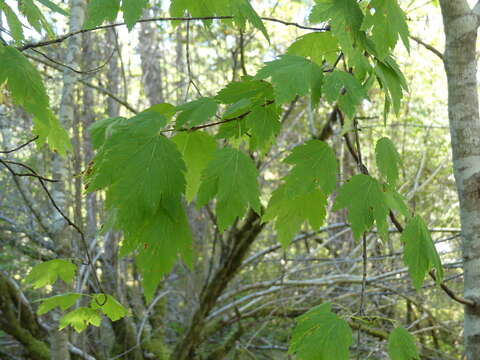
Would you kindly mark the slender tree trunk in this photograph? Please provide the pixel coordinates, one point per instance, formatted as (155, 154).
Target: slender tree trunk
(59, 339)
(150, 55)
(461, 67)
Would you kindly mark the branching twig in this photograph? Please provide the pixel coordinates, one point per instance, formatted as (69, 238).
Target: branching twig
(42, 180)
(195, 128)
(399, 227)
(189, 65)
(32, 172)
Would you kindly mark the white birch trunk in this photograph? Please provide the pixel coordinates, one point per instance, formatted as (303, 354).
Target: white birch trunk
(461, 25)
(60, 339)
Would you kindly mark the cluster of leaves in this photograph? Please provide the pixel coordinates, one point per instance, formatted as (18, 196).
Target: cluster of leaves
(47, 273)
(147, 177)
(21, 77)
(32, 13)
(241, 11)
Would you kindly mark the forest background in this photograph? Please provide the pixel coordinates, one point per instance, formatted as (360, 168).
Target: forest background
(120, 72)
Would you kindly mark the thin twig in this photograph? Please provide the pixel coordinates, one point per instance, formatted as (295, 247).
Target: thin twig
(19, 146)
(428, 47)
(74, 33)
(94, 70)
(189, 65)
(32, 172)
(86, 83)
(42, 181)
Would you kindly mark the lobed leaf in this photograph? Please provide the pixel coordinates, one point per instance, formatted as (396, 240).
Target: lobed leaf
(315, 164)
(257, 91)
(318, 46)
(197, 149)
(291, 212)
(264, 125)
(401, 345)
(63, 301)
(388, 160)
(308, 78)
(99, 11)
(48, 272)
(419, 253)
(387, 22)
(26, 87)
(80, 318)
(161, 239)
(138, 168)
(345, 18)
(196, 112)
(108, 305)
(301, 197)
(132, 10)
(320, 334)
(346, 89)
(365, 200)
(231, 177)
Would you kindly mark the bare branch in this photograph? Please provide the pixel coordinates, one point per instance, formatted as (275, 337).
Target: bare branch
(427, 46)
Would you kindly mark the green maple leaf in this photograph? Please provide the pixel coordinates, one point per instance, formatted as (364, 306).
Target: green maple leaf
(401, 345)
(291, 212)
(51, 133)
(396, 202)
(243, 11)
(64, 302)
(14, 25)
(35, 16)
(231, 177)
(393, 83)
(80, 318)
(132, 10)
(318, 46)
(54, 7)
(109, 306)
(362, 195)
(197, 149)
(26, 87)
(138, 168)
(388, 23)
(98, 130)
(419, 253)
(346, 89)
(320, 334)
(48, 272)
(99, 11)
(238, 109)
(160, 241)
(308, 77)
(388, 159)
(264, 124)
(257, 91)
(315, 164)
(196, 112)
(345, 18)
(301, 197)
(233, 129)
